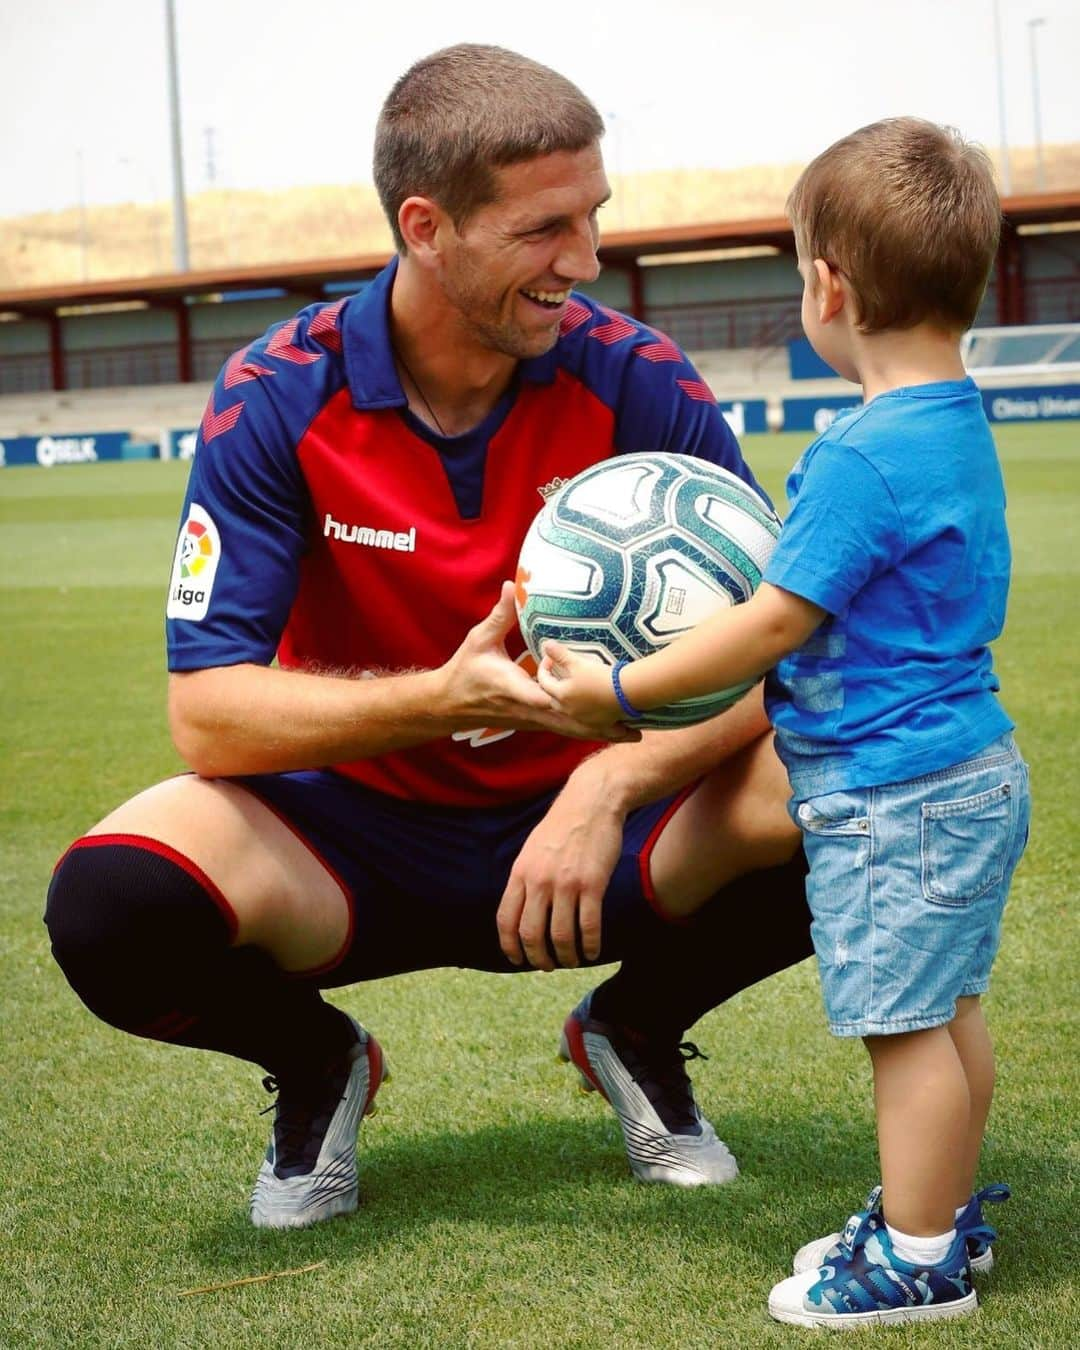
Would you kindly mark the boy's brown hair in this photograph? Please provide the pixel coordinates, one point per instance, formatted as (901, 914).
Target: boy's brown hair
(459, 114)
(909, 213)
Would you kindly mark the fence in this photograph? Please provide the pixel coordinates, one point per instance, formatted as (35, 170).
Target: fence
(716, 325)
(721, 325)
(113, 367)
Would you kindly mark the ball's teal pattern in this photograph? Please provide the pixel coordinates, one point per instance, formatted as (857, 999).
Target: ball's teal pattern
(635, 551)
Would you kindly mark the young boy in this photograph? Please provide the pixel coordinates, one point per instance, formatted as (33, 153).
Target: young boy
(887, 584)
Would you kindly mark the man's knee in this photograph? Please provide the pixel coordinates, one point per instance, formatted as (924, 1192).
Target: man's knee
(125, 915)
(735, 822)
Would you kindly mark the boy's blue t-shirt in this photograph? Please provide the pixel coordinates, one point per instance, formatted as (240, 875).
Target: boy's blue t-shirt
(897, 528)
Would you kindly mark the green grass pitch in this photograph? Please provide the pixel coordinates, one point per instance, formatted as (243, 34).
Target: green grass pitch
(497, 1209)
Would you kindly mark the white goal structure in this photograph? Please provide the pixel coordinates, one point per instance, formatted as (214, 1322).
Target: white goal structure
(1023, 349)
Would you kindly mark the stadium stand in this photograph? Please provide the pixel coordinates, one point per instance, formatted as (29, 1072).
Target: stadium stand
(143, 410)
(138, 356)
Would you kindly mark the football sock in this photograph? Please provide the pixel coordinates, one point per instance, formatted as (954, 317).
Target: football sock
(752, 928)
(921, 1251)
(145, 939)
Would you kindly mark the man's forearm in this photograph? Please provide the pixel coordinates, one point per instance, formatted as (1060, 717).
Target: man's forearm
(257, 719)
(254, 719)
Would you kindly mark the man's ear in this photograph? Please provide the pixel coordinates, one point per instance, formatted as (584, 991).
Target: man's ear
(829, 294)
(421, 221)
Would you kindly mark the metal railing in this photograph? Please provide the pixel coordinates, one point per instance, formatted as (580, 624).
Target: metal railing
(715, 325)
(723, 325)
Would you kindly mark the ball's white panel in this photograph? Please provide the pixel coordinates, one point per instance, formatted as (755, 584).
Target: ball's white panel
(568, 576)
(597, 653)
(677, 597)
(622, 494)
(637, 567)
(739, 525)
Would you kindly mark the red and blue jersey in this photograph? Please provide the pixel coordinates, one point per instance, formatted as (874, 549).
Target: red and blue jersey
(327, 526)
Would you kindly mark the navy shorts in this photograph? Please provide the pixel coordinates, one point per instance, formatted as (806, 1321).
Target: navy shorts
(424, 881)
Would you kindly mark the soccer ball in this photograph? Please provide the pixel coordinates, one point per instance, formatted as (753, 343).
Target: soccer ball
(635, 551)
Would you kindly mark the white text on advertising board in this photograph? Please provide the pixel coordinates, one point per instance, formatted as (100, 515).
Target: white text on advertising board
(52, 450)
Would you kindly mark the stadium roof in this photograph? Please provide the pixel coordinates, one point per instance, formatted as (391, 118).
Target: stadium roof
(308, 277)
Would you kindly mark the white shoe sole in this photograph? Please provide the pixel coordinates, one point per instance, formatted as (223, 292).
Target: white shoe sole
(928, 1312)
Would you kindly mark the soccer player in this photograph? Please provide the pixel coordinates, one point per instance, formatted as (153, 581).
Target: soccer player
(888, 583)
(396, 792)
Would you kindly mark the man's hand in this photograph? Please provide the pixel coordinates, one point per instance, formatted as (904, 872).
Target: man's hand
(557, 884)
(486, 689)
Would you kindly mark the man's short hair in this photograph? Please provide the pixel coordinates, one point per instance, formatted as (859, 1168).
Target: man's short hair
(461, 113)
(909, 213)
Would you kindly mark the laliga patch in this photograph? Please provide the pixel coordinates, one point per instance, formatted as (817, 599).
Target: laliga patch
(198, 552)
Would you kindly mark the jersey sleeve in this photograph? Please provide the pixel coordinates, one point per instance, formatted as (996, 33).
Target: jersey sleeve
(242, 532)
(659, 400)
(664, 404)
(843, 529)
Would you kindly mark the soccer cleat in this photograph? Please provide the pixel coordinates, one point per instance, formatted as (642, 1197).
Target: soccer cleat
(309, 1173)
(980, 1236)
(867, 1283)
(667, 1138)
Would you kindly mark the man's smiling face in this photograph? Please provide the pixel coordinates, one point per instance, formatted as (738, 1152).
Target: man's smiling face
(510, 269)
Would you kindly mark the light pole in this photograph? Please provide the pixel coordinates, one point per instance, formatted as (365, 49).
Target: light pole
(1006, 173)
(1036, 111)
(180, 231)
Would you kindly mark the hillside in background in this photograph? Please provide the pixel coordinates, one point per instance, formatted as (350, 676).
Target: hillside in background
(244, 228)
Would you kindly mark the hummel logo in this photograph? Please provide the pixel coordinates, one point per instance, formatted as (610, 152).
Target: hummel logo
(549, 489)
(404, 541)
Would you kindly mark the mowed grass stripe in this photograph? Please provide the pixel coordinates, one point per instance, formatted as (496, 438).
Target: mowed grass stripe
(497, 1208)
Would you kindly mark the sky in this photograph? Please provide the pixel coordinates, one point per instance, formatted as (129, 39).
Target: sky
(276, 94)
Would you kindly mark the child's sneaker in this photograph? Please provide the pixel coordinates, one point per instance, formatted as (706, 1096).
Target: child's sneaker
(868, 1283)
(969, 1222)
(980, 1235)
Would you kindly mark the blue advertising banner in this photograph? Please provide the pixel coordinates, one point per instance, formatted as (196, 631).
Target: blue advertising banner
(815, 414)
(743, 415)
(179, 443)
(51, 450)
(1033, 403)
(1019, 403)
(805, 364)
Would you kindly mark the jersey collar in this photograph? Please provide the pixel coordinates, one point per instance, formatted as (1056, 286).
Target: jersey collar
(369, 357)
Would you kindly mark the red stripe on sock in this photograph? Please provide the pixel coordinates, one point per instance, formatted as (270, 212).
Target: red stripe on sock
(375, 1069)
(166, 1028)
(174, 856)
(579, 1056)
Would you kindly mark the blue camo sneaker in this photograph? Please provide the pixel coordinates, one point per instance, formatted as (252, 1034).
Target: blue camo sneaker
(309, 1173)
(970, 1222)
(867, 1283)
(667, 1138)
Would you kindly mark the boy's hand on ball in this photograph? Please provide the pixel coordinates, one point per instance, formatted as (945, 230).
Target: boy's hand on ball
(580, 686)
(487, 689)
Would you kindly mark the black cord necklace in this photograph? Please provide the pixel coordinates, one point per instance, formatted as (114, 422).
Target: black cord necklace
(423, 397)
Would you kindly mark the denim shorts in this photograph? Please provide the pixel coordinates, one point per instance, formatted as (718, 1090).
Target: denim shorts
(907, 886)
